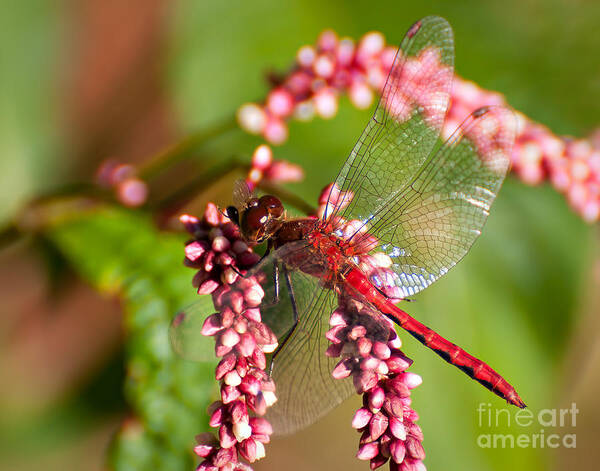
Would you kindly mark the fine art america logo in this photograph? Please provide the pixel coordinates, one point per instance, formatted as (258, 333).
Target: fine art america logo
(546, 428)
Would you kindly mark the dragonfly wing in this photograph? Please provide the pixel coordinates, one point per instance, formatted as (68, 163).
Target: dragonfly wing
(428, 227)
(305, 388)
(306, 391)
(185, 334)
(406, 123)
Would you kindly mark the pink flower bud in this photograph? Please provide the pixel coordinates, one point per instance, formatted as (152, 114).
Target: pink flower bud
(132, 192)
(211, 325)
(376, 398)
(367, 451)
(207, 287)
(246, 345)
(252, 118)
(220, 244)
(216, 417)
(229, 394)
(361, 418)
(280, 102)
(377, 425)
(261, 426)
(226, 437)
(230, 338)
(332, 334)
(282, 171)
(223, 457)
(242, 430)
(306, 56)
(232, 378)
(262, 158)
(275, 131)
(194, 250)
(414, 448)
(397, 451)
(341, 370)
(397, 428)
(326, 104)
(225, 366)
(364, 346)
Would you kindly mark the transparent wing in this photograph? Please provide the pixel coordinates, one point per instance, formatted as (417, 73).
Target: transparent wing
(406, 123)
(185, 330)
(241, 194)
(428, 227)
(305, 389)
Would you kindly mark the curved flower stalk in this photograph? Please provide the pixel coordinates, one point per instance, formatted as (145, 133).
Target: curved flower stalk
(241, 341)
(335, 66)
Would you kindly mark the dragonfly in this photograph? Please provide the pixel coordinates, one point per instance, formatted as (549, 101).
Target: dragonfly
(402, 192)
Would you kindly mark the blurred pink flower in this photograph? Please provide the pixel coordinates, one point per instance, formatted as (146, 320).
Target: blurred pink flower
(128, 188)
(337, 66)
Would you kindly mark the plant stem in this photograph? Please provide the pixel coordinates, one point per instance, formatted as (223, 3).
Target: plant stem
(178, 151)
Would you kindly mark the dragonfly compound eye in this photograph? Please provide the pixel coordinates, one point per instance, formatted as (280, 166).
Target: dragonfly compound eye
(273, 205)
(254, 218)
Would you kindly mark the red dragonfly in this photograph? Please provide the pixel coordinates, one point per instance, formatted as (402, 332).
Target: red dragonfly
(402, 193)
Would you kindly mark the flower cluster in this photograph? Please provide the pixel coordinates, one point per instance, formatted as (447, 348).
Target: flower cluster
(336, 66)
(365, 342)
(572, 166)
(241, 341)
(370, 352)
(129, 189)
(320, 74)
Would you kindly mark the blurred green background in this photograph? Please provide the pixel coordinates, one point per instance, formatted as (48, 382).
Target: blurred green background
(85, 303)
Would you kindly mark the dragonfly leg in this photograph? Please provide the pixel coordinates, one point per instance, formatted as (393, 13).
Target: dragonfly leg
(291, 330)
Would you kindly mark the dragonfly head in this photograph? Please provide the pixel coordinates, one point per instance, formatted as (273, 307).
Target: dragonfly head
(259, 219)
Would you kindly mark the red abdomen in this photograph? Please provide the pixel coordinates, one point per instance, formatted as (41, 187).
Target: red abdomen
(453, 354)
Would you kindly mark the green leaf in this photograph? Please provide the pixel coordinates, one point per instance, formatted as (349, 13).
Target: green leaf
(121, 252)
